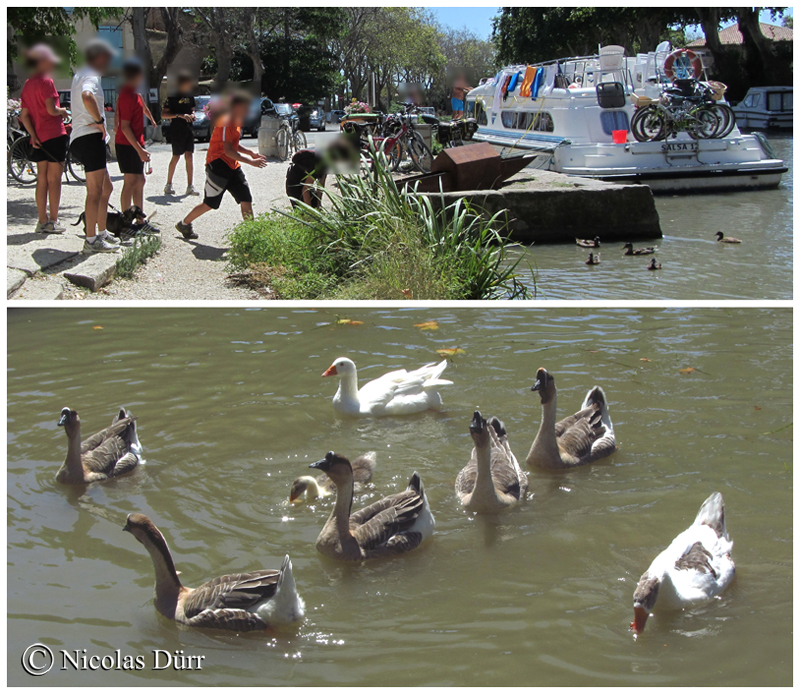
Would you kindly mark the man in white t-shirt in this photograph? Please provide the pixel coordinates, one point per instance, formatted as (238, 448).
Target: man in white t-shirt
(88, 144)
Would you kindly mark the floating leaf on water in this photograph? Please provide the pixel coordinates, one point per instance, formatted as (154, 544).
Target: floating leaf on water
(450, 351)
(97, 327)
(688, 370)
(348, 321)
(757, 407)
(427, 325)
(645, 359)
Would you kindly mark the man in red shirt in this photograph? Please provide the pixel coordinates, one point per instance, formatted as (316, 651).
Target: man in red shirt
(43, 118)
(129, 136)
(224, 165)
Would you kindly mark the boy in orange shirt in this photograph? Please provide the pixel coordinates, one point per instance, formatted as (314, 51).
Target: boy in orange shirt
(224, 166)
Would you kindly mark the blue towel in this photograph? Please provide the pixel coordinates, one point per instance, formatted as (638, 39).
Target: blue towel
(512, 85)
(537, 84)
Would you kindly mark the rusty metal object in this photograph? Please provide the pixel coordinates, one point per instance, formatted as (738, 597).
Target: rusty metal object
(471, 167)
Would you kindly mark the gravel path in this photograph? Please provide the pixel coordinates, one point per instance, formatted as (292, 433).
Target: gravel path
(183, 269)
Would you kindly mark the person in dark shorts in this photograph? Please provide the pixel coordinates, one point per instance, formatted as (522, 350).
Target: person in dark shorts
(43, 118)
(224, 165)
(179, 109)
(305, 178)
(129, 137)
(88, 143)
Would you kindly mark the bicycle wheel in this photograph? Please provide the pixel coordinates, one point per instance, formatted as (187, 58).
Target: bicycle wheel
(420, 153)
(19, 163)
(75, 167)
(727, 120)
(282, 144)
(395, 155)
(704, 124)
(300, 141)
(649, 124)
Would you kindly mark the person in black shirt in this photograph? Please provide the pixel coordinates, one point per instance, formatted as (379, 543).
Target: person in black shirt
(305, 177)
(179, 108)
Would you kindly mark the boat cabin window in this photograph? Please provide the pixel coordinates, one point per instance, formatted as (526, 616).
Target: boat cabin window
(779, 101)
(527, 120)
(752, 100)
(614, 120)
(476, 110)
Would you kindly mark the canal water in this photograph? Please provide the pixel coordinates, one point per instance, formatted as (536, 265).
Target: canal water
(232, 408)
(694, 265)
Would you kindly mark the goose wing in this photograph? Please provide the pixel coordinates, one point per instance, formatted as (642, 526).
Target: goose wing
(465, 480)
(363, 467)
(375, 524)
(236, 592)
(119, 427)
(105, 457)
(402, 383)
(585, 436)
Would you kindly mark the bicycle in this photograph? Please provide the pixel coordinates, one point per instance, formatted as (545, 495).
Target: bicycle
(18, 148)
(289, 137)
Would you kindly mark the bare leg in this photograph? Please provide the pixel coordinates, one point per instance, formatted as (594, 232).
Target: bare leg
(54, 173)
(189, 168)
(105, 196)
(128, 186)
(247, 210)
(94, 194)
(198, 211)
(138, 191)
(42, 171)
(171, 168)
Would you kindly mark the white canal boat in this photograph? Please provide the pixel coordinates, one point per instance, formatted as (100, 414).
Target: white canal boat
(576, 113)
(765, 108)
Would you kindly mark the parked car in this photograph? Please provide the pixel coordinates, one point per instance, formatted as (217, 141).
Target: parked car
(317, 120)
(337, 115)
(202, 125)
(258, 108)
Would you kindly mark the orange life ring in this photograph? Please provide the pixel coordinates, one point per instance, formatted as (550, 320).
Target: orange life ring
(669, 63)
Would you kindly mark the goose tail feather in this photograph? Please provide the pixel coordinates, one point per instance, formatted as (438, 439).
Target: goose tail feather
(597, 396)
(712, 514)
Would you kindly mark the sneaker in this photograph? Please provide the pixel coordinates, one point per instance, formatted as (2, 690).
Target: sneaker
(101, 245)
(110, 239)
(191, 191)
(50, 228)
(57, 227)
(186, 230)
(169, 190)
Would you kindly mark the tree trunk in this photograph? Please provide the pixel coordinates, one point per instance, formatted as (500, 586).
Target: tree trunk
(141, 46)
(709, 21)
(171, 19)
(759, 44)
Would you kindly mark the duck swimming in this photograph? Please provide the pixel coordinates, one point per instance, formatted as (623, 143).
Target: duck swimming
(696, 567)
(112, 452)
(395, 393)
(588, 243)
(654, 265)
(249, 601)
(721, 238)
(630, 250)
(593, 259)
(394, 525)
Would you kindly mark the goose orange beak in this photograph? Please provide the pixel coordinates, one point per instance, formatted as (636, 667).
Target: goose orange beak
(331, 371)
(640, 616)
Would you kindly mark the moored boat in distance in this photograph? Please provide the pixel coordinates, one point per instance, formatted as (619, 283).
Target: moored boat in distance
(766, 108)
(576, 114)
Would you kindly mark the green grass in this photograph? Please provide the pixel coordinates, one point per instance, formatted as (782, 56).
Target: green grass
(373, 241)
(137, 254)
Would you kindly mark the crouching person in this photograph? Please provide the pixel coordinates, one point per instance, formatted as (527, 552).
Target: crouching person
(306, 176)
(224, 166)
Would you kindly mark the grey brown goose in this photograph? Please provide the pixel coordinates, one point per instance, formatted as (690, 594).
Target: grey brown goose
(112, 452)
(322, 485)
(721, 238)
(492, 481)
(579, 439)
(630, 250)
(250, 601)
(396, 524)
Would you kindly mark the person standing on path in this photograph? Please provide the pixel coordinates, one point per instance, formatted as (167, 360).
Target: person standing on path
(460, 89)
(43, 118)
(224, 165)
(180, 110)
(129, 136)
(88, 144)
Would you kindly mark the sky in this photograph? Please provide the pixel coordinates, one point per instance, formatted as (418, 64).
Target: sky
(478, 19)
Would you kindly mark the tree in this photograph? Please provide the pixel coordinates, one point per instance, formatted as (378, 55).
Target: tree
(222, 24)
(29, 25)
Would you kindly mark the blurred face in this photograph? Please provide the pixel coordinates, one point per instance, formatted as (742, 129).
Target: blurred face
(185, 86)
(45, 66)
(239, 111)
(133, 79)
(101, 63)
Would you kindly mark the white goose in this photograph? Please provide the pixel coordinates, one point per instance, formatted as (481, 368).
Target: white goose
(395, 393)
(695, 568)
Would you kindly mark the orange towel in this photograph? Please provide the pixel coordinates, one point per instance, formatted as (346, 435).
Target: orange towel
(525, 89)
